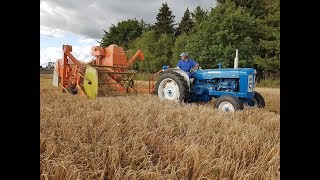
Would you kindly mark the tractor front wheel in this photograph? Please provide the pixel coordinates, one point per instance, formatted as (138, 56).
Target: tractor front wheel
(228, 103)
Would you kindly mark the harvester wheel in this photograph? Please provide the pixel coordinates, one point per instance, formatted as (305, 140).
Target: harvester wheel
(90, 83)
(228, 103)
(172, 86)
(131, 86)
(257, 101)
(72, 90)
(131, 83)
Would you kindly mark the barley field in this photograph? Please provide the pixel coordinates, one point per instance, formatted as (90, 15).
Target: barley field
(137, 136)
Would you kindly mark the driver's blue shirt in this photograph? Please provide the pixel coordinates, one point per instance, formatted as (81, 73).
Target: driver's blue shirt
(186, 66)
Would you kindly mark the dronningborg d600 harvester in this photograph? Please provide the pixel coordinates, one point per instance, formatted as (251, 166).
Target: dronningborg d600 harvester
(110, 72)
(233, 88)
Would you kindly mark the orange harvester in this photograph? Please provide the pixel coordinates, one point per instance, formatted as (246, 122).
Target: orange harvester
(109, 72)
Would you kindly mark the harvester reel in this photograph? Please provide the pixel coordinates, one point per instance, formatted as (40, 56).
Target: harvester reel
(90, 83)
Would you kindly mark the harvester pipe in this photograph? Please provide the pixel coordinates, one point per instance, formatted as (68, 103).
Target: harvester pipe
(134, 57)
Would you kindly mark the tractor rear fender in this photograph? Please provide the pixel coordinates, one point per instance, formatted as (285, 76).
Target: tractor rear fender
(182, 73)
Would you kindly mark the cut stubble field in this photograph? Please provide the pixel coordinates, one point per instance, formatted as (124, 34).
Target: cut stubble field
(137, 136)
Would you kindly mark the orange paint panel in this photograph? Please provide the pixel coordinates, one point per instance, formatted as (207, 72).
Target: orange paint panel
(119, 57)
(97, 51)
(67, 48)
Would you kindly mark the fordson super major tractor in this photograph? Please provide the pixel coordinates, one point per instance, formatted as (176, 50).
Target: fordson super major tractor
(233, 88)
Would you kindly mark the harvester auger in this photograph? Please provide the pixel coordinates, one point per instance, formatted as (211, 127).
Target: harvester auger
(109, 73)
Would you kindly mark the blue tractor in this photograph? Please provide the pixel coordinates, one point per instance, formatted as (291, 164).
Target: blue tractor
(233, 88)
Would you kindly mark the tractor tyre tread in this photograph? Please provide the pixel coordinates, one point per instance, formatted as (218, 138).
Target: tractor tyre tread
(237, 104)
(179, 79)
(260, 100)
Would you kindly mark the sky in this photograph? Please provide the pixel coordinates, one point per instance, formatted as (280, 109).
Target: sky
(80, 23)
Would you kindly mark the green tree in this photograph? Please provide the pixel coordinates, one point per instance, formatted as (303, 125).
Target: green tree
(147, 44)
(267, 14)
(199, 15)
(268, 60)
(165, 20)
(122, 33)
(145, 26)
(178, 48)
(255, 7)
(157, 50)
(228, 28)
(163, 51)
(186, 24)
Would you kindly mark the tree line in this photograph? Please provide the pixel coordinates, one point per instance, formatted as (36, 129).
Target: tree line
(209, 36)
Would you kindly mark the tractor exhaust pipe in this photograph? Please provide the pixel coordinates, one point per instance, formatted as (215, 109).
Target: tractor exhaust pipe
(236, 60)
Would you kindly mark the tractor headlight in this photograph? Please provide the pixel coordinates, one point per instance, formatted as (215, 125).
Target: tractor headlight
(250, 83)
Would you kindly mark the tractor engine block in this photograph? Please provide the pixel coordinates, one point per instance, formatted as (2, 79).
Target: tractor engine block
(213, 83)
(231, 85)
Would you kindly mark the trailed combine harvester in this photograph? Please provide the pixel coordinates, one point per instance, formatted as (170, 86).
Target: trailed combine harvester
(109, 73)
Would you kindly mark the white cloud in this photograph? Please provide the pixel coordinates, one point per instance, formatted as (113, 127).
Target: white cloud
(88, 18)
(45, 8)
(80, 23)
(51, 54)
(50, 32)
(89, 40)
(82, 53)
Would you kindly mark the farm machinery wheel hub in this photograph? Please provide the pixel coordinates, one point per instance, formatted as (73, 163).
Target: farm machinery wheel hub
(251, 104)
(169, 89)
(226, 106)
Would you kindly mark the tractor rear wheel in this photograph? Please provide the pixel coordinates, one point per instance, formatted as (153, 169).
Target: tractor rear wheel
(228, 103)
(257, 101)
(172, 86)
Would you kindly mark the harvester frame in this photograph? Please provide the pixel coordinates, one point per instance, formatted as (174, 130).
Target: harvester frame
(109, 68)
